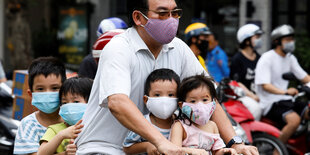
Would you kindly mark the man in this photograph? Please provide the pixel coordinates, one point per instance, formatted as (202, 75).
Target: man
(216, 59)
(116, 102)
(199, 47)
(274, 94)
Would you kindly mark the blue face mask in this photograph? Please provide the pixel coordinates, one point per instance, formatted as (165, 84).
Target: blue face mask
(47, 102)
(71, 113)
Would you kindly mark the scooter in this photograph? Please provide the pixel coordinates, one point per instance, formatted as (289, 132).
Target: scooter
(262, 135)
(299, 143)
(8, 126)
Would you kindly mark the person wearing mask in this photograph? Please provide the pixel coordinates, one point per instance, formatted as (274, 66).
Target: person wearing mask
(88, 67)
(199, 47)
(273, 91)
(116, 105)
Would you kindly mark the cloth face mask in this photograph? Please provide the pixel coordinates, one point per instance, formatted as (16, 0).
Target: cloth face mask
(200, 113)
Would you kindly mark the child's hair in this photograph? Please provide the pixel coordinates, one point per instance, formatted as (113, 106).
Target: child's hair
(76, 86)
(194, 82)
(191, 83)
(46, 66)
(160, 74)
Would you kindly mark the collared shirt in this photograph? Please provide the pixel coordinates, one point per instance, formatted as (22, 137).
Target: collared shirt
(217, 64)
(124, 65)
(269, 70)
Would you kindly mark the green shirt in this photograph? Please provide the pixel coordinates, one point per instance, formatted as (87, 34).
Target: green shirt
(51, 132)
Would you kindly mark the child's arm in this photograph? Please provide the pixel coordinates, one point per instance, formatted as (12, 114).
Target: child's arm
(50, 147)
(141, 147)
(177, 136)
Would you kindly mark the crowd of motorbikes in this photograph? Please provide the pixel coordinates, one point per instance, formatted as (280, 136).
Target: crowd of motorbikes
(264, 133)
(261, 133)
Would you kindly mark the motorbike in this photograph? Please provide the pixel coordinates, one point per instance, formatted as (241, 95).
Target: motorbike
(299, 143)
(8, 126)
(260, 134)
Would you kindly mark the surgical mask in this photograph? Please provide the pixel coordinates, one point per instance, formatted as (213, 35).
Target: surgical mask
(161, 107)
(71, 113)
(47, 102)
(200, 113)
(163, 31)
(289, 47)
(258, 43)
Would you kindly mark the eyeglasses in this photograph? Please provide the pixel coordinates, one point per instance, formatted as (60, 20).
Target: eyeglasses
(164, 14)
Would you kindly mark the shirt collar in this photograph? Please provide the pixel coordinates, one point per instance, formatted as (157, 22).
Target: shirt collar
(139, 44)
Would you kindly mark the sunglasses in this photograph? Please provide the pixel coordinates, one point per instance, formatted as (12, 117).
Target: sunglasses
(164, 14)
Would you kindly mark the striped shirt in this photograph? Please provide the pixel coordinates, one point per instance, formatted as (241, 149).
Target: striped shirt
(28, 136)
(133, 138)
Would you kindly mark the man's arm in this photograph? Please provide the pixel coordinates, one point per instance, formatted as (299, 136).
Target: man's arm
(274, 90)
(127, 113)
(227, 132)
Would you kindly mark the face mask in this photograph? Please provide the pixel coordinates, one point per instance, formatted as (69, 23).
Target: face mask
(258, 43)
(47, 102)
(161, 107)
(203, 47)
(71, 113)
(199, 113)
(163, 31)
(289, 47)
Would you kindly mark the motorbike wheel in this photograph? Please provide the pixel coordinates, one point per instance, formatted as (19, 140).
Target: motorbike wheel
(267, 144)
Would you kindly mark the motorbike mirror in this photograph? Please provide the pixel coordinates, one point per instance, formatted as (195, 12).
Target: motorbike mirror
(289, 76)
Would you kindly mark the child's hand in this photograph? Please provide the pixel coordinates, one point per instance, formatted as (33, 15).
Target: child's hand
(71, 148)
(230, 151)
(193, 151)
(72, 131)
(152, 150)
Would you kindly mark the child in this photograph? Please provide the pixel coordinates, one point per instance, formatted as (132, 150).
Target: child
(160, 99)
(193, 128)
(46, 75)
(74, 94)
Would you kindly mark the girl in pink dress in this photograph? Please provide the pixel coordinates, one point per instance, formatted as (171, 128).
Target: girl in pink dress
(193, 127)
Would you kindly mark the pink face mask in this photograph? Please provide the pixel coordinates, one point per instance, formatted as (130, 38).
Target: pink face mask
(200, 113)
(163, 31)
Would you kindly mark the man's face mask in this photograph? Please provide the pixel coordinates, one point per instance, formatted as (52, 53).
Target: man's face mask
(203, 47)
(289, 47)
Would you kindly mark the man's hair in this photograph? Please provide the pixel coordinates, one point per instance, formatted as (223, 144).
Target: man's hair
(141, 5)
(194, 82)
(76, 86)
(46, 66)
(160, 74)
(244, 44)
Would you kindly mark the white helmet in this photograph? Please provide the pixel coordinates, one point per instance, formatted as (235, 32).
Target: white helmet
(247, 31)
(281, 31)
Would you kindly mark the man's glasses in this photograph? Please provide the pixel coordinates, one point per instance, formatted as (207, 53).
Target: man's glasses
(164, 14)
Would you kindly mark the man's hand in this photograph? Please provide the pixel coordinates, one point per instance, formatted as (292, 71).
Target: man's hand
(152, 150)
(292, 91)
(245, 149)
(167, 148)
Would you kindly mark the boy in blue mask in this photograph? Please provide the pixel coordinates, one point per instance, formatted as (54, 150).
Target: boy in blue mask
(46, 75)
(74, 94)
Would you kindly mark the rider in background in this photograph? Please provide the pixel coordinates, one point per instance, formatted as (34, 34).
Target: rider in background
(199, 47)
(243, 63)
(88, 67)
(274, 94)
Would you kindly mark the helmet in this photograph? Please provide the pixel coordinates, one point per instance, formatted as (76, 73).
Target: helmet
(103, 40)
(247, 31)
(281, 31)
(196, 29)
(110, 24)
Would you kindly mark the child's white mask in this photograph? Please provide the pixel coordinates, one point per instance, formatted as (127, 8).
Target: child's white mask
(200, 113)
(161, 107)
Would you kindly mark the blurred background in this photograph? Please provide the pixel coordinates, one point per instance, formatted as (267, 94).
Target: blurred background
(67, 28)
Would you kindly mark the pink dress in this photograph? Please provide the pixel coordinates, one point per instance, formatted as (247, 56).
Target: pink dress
(197, 138)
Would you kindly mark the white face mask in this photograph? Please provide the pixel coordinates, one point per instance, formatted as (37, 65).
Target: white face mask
(289, 47)
(161, 107)
(258, 43)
